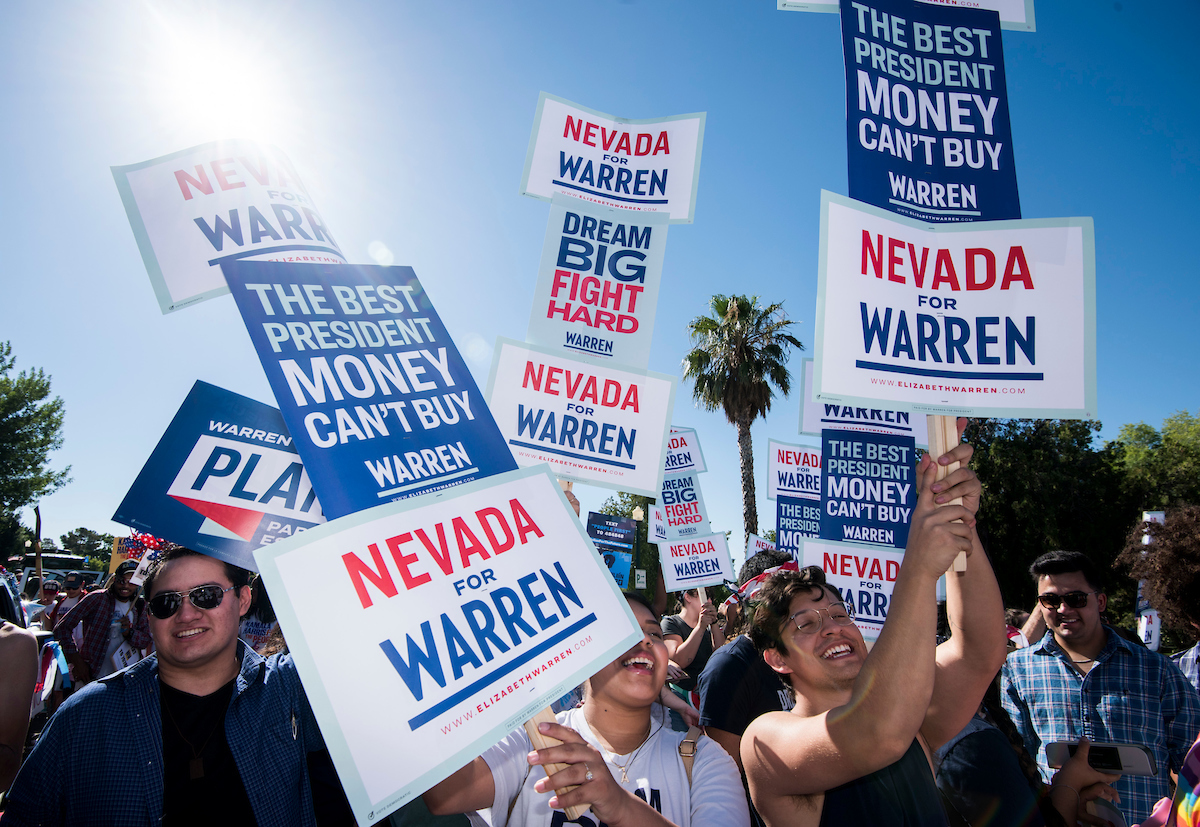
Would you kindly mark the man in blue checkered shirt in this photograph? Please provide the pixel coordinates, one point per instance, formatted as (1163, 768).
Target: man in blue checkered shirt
(202, 732)
(1084, 679)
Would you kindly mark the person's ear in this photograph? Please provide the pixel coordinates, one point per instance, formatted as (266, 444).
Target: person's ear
(774, 659)
(244, 597)
(1102, 601)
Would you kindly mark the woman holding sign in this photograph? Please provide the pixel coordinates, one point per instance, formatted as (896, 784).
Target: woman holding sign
(624, 765)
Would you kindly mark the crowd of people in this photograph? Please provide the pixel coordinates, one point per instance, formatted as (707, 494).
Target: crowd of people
(770, 709)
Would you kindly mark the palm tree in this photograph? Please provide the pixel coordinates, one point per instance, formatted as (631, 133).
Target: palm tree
(739, 352)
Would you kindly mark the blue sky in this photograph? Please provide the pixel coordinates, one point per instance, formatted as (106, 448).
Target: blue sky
(409, 123)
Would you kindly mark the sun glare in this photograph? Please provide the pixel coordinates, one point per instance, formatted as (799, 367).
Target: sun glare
(226, 81)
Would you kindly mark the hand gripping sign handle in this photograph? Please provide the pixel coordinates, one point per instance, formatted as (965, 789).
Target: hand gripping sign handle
(943, 435)
(541, 741)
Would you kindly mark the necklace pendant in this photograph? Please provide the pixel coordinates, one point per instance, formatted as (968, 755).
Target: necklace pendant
(624, 776)
(196, 768)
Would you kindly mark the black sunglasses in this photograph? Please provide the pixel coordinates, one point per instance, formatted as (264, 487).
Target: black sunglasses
(166, 604)
(1076, 600)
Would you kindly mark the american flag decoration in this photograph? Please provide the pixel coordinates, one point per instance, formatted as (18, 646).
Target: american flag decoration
(137, 543)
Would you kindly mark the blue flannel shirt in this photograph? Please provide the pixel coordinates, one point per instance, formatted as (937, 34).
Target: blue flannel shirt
(1131, 695)
(99, 762)
(1186, 661)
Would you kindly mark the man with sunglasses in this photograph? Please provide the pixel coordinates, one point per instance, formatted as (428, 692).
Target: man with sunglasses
(855, 748)
(1084, 679)
(204, 731)
(113, 620)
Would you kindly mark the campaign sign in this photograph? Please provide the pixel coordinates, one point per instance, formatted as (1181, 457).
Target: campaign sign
(592, 422)
(795, 521)
(645, 166)
(224, 479)
(995, 319)
(870, 487)
(658, 524)
(1016, 15)
(598, 282)
(619, 564)
(194, 209)
(683, 506)
(683, 452)
(755, 544)
(472, 608)
(793, 471)
(927, 127)
(695, 561)
(615, 538)
(815, 417)
(863, 575)
(382, 405)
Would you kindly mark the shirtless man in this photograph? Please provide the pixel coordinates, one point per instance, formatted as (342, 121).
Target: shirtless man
(855, 749)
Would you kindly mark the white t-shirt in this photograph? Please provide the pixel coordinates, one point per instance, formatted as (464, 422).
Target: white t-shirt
(714, 798)
(116, 635)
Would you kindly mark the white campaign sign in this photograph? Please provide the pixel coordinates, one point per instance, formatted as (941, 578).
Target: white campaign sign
(815, 417)
(793, 470)
(658, 524)
(995, 318)
(683, 452)
(598, 282)
(226, 200)
(864, 575)
(682, 506)
(468, 610)
(592, 422)
(1014, 14)
(645, 166)
(755, 544)
(697, 561)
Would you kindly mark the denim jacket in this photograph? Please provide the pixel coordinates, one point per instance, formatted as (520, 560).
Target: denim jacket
(99, 762)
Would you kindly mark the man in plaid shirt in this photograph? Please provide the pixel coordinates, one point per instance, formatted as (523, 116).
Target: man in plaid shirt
(1084, 679)
(104, 626)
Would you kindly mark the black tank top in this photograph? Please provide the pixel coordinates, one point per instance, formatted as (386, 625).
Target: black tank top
(900, 795)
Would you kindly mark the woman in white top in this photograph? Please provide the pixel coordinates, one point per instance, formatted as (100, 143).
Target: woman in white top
(627, 765)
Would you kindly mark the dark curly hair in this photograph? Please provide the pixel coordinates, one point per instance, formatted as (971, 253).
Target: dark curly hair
(1169, 566)
(773, 601)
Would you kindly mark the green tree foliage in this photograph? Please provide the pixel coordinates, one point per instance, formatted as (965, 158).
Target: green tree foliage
(12, 537)
(739, 355)
(93, 545)
(30, 428)
(1046, 486)
(1162, 467)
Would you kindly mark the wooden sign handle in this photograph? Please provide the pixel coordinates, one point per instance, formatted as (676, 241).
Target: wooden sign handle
(943, 435)
(703, 595)
(541, 741)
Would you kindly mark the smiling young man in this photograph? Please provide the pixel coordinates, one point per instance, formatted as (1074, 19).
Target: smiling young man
(204, 731)
(855, 748)
(1083, 679)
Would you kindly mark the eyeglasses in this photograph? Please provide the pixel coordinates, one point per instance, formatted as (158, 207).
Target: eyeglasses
(1076, 600)
(166, 604)
(808, 621)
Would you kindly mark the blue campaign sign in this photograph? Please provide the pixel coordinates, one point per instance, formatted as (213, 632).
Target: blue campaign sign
(869, 487)
(796, 519)
(224, 479)
(927, 126)
(614, 537)
(380, 400)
